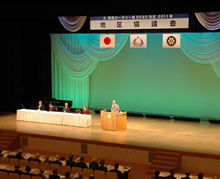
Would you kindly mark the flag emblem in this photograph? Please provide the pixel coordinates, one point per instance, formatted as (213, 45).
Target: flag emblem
(138, 41)
(171, 40)
(107, 41)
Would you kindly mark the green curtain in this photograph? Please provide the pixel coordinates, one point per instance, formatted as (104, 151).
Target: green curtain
(65, 87)
(74, 58)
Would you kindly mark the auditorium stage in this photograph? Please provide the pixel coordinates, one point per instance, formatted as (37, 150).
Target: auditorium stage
(182, 136)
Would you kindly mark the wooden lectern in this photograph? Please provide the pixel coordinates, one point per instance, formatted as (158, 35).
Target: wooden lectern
(113, 121)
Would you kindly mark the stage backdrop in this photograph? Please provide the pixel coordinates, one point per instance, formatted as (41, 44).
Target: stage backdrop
(172, 81)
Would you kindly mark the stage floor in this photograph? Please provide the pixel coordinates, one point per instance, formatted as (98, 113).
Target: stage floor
(154, 133)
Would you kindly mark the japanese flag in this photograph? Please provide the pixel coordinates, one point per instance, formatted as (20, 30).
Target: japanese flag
(107, 41)
(171, 40)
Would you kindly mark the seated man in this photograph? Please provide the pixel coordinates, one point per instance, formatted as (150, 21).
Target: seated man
(67, 175)
(85, 110)
(54, 175)
(187, 173)
(35, 158)
(28, 169)
(81, 163)
(51, 107)
(171, 176)
(17, 170)
(70, 162)
(91, 176)
(57, 160)
(66, 108)
(40, 106)
(94, 165)
(115, 107)
(119, 174)
(157, 173)
(102, 166)
(200, 176)
(19, 155)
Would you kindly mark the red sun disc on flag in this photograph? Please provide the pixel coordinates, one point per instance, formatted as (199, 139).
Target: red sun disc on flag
(107, 40)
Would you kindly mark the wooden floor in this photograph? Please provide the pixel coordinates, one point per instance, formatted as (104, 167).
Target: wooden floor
(156, 133)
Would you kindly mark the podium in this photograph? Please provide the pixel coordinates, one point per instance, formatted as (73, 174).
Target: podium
(113, 121)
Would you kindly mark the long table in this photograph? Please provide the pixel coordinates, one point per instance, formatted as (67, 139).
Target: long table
(60, 118)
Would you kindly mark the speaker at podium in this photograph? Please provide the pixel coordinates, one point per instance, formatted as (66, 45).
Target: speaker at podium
(114, 121)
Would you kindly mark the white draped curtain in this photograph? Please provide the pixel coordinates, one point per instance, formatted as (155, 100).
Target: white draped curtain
(203, 48)
(209, 20)
(72, 23)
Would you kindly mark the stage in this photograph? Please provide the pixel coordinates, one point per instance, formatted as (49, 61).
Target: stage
(192, 137)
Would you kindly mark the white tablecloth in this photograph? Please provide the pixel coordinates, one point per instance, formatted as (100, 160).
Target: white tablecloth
(60, 118)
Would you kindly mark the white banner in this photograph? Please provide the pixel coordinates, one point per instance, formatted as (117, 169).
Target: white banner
(138, 41)
(160, 21)
(171, 40)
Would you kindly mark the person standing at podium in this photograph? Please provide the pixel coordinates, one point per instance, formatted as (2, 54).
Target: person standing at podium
(115, 107)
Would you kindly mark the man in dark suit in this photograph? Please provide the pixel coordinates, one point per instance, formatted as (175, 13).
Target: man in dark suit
(51, 107)
(171, 176)
(102, 166)
(187, 173)
(120, 175)
(70, 161)
(56, 162)
(19, 155)
(17, 170)
(40, 106)
(66, 108)
(35, 157)
(54, 175)
(81, 163)
(157, 173)
(200, 176)
(67, 175)
(94, 165)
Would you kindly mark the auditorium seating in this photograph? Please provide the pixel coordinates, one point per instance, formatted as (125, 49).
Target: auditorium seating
(99, 174)
(13, 176)
(34, 164)
(180, 175)
(36, 177)
(22, 176)
(49, 167)
(76, 170)
(111, 175)
(55, 166)
(13, 161)
(3, 175)
(45, 165)
(4, 160)
(23, 163)
(64, 169)
(87, 172)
